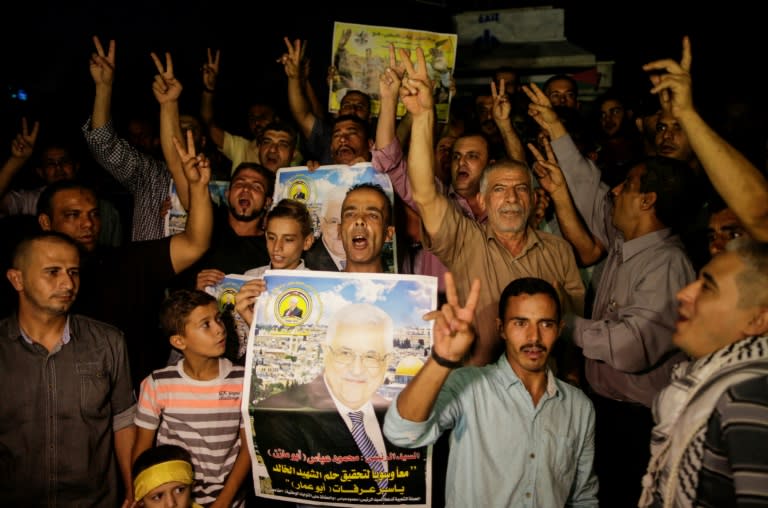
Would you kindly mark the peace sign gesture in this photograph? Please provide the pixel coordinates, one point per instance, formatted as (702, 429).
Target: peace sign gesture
(165, 87)
(416, 87)
(453, 331)
(102, 64)
(197, 168)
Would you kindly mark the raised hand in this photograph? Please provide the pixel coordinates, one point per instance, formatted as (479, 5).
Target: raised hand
(292, 58)
(102, 65)
(390, 79)
(211, 70)
(453, 333)
(547, 169)
(23, 145)
(165, 87)
(672, 81)
(502, 108)
(540, 108)
(416, 88)
(197, 168)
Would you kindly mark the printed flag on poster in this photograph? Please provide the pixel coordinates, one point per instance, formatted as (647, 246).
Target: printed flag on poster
(327, 353)
(360, 54)
(323, 190)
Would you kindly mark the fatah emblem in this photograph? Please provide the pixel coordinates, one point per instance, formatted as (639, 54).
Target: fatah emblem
(293, 307)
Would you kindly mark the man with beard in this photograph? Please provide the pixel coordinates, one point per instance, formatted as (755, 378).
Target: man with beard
(502, 249)
(238, 242)
(627, 342)
(68, 406)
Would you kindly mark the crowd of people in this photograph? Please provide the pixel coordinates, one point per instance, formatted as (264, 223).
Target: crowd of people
(602, 330)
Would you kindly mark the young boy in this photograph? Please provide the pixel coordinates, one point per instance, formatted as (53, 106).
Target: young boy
(196, 403)
(163, 476)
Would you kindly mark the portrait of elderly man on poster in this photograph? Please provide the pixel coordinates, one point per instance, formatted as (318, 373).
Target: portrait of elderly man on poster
(318, 433)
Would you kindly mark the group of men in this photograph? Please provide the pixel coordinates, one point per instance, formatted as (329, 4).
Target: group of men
(675, 362)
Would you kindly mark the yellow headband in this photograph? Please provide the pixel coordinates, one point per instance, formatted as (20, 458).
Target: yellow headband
(165, 472)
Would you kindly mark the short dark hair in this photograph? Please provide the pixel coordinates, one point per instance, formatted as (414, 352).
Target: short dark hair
(177, 306)
(280, 126)
(253, 166)
(362, 94)
(678, 196)
(58, 144)
(564, 77)
(157, 455)
(752, 281)
(377, 188)
(529, 286)
(45, 201)
(293, 209)
(362, 124)
(22, 248)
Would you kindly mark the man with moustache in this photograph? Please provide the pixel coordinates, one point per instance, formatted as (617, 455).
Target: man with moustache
(68, 407)
(627, 341)
(708, 446)
(523, 437)
(502, 249)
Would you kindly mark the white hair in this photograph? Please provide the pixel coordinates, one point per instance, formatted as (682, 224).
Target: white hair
(362, 314)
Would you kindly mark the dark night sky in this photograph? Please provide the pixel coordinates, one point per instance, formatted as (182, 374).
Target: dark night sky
(47, 44)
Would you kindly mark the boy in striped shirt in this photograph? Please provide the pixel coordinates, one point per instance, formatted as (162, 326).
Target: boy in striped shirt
(195, 403)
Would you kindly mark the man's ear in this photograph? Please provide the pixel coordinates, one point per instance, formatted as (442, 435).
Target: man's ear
(177, 341)
(649, 200)
(758, 325)
(500, 328)
(44, 221)
(14, 276)
(481, 202)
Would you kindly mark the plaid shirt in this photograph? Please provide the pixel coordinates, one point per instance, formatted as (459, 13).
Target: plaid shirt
(147, 178)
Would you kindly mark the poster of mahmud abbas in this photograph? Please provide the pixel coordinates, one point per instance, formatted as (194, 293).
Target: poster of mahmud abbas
(327, 353)
(323, 191)
(360, 54)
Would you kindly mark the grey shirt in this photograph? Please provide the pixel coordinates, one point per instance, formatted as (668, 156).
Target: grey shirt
(59, 412)
(628, 342)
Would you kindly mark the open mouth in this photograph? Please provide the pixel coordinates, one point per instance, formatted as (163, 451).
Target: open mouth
(462, 174)
(244, 203)
(359, 241)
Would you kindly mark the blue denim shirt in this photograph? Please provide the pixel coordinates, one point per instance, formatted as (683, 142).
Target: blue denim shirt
(503, 450)
(59, 411)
